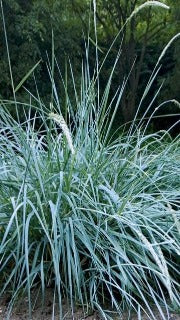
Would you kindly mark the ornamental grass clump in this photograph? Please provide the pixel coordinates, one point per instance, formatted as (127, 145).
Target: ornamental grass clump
(100, 224)
(93, 217)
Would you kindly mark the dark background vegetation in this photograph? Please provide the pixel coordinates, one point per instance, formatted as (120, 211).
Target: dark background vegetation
(29, 27)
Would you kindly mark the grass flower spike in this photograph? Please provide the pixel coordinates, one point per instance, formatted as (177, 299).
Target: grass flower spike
(63, 125)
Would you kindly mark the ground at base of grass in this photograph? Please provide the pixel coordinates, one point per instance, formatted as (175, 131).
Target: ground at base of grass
(20, 312)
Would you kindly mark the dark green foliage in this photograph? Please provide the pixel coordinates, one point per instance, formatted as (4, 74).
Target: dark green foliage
(29, 29)
(29, 26)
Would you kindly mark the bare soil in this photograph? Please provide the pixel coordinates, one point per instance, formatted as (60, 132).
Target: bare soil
(20, 311)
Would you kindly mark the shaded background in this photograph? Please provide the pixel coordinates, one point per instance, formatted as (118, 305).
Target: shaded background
(29, 27)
